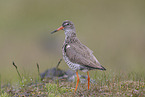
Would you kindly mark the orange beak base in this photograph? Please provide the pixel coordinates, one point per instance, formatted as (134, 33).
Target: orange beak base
(60, 28)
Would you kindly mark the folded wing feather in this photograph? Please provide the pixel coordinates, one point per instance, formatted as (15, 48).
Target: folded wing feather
(82, 55)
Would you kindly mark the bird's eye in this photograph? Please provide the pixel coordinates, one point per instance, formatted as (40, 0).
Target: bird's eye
(66, 24)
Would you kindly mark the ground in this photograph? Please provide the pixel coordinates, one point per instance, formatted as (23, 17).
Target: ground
(104, 85)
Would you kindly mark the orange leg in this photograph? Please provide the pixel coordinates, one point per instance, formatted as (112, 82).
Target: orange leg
(88, 80)
(77, 81)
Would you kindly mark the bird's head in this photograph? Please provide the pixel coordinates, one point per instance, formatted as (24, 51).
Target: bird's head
(67, 26)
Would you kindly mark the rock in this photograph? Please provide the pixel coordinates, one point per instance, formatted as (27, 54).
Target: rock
(69, 75)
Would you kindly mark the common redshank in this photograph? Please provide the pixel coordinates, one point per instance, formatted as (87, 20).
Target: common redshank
(75, 54)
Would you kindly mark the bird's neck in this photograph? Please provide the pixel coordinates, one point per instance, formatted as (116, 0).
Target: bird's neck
(69, 34)
(71, 38)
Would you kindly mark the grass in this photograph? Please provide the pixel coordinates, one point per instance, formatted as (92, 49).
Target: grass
(106, 84)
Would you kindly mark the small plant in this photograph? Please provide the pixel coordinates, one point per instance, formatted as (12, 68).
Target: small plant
(54, 89)
(4, 94)
(17, 70)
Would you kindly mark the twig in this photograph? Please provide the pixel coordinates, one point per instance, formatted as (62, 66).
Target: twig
(17, 70)
(57, 69)
(58, 63)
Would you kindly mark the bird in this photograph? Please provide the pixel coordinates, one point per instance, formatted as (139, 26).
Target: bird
(76, 55)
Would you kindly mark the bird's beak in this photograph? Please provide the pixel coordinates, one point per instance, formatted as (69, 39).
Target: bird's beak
(60, 28)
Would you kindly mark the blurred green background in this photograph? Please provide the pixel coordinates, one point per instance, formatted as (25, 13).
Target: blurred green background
(113, 29)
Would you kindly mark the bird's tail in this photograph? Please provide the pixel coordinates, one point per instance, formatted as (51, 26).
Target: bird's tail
(102, 68)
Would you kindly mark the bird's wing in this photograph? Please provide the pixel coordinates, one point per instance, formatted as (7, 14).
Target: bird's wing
(82, 55)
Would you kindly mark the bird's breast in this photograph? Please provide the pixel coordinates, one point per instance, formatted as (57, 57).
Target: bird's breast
(71, 65)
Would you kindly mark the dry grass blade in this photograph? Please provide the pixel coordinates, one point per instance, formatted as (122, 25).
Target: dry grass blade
(58, 63)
